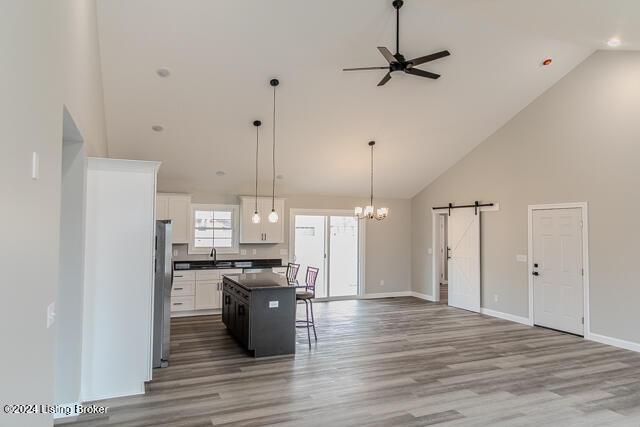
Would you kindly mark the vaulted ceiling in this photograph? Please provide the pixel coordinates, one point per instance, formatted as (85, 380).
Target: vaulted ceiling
(221, 55)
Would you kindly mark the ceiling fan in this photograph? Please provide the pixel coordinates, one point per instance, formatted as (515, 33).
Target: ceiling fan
(397, 62)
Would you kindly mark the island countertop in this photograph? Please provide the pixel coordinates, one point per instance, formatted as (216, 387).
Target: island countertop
(259, 281)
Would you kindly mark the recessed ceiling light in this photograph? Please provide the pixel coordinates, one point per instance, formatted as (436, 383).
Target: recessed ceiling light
(157, 128)
(163, 72)
(221, 173)
(614, 42)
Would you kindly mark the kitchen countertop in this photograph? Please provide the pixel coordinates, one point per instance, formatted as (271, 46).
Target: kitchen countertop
(257, 281)
(222, 264)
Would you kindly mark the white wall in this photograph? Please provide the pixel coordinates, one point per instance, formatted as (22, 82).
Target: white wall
(388, 242)
(71, 275)
(118, 290)
(38, 39)
(578, 142)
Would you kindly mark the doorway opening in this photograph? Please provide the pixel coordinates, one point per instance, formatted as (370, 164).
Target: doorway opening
(441, 259)
(332, 241)
(559, 267)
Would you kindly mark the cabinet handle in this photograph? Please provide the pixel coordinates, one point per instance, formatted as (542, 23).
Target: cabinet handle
(177, 303)
(178, 289)
(177, 275)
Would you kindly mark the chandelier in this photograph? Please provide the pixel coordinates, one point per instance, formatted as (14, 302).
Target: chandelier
(370, 212)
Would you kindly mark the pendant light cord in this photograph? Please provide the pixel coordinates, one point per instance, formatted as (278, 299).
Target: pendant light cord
(372, 175)
(273, 185)
(256, 210)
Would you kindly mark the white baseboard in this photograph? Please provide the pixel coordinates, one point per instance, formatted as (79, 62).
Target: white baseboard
(423, 296)
(506, 316)
(603, 339)
(114, 395)
(388, 295)
(189, 313)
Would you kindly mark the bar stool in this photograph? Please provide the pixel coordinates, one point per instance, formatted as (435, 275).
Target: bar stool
(307, 296)
(292, 273)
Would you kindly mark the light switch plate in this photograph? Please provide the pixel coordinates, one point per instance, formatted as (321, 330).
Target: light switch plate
(521, 258)
(175, 252)
(430, 251)
(243, 251)
(35, 166)
(254, 251)
(51, 314)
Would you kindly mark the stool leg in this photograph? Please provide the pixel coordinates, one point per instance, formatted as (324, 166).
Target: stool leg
(313, 320)
(308, 332)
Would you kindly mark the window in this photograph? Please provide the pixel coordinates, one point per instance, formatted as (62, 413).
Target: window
(214, 226)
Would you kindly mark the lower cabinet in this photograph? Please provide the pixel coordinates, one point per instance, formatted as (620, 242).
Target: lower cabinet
(261, 320)
(195, 290)
(208, 295)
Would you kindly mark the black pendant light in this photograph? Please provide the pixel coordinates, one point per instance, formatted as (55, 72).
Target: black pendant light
(273, 216)
(256, 215)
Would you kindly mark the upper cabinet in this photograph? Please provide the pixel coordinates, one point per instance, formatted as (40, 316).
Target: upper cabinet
(177, 208)
(265, 231)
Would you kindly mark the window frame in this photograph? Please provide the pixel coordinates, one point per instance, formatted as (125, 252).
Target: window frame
(235, 228)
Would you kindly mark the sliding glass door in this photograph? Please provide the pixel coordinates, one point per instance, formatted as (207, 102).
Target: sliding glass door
(332, 244)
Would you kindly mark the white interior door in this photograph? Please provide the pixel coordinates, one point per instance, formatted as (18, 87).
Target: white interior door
(558, 295)
(464, 259)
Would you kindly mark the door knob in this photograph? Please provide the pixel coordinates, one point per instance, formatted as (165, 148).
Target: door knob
(535, 273)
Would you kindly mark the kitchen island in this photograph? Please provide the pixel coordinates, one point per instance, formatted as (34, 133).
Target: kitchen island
(259, 310)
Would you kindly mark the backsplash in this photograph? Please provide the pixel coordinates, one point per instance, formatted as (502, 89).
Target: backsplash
(262, 251)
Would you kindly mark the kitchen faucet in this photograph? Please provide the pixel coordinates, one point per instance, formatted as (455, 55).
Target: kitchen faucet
(214, 255)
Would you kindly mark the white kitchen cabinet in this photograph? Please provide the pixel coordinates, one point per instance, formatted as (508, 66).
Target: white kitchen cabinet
(208, 295)
(162, 207)
(177, 208)
(265, 231)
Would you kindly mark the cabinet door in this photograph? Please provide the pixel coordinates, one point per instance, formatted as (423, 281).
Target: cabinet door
(250, 232)
(206, 295)
(162, 207)
(242, 323)
(273, 232)
(180, 213)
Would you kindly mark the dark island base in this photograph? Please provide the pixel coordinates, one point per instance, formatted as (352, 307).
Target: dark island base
(259, 311)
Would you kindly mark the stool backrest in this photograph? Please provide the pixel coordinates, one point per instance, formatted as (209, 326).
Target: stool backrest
(312, 275)
(292, 272)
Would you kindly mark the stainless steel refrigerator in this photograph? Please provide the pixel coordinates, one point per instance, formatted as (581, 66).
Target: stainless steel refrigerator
(162, 294)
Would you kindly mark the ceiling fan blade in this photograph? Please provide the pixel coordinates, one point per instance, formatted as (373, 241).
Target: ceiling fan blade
(421, 73)
(365, 68)
(429, 58)
(387, 55)
(385, 79)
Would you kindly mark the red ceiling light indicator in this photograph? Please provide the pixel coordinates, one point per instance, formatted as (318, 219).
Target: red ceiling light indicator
(547, 61)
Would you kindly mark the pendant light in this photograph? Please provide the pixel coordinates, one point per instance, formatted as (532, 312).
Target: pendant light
(370, 212)
(256, 215)
(273, 216)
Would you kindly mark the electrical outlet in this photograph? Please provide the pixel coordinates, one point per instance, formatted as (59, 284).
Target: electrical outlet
(381, 282)
(51, 314)
(496, 297)
(243, 251)
(175, 252)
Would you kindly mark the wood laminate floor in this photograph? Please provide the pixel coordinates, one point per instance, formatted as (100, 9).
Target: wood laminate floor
(389, 362)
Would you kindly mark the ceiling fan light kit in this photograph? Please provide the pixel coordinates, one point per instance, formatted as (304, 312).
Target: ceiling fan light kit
(397, 62)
